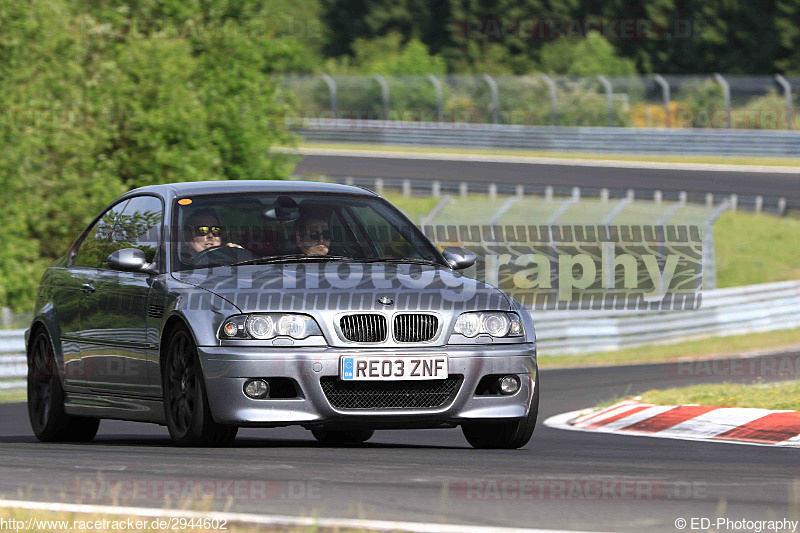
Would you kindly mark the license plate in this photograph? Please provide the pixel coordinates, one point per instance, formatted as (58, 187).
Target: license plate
(370, 368)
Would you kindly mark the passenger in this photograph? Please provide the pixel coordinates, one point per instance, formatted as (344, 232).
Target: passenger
(312, 231)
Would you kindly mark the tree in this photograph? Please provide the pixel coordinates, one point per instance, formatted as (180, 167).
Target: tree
(97, 98)
(584, 57)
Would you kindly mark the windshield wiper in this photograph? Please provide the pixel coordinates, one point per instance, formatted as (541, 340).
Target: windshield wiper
(288, 258)
(402, 260)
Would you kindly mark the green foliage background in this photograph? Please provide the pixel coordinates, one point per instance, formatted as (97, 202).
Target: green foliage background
(90, 108)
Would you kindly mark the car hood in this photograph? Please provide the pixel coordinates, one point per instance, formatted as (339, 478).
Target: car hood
(345, 286)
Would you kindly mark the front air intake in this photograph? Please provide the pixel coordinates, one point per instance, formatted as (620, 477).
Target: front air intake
(413, 327)
(364, 328)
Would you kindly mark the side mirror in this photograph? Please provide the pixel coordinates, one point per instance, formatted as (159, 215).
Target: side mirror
(458, 258)
(128, 260)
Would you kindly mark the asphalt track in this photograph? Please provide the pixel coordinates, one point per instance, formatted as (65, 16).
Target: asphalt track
(770, 184)
(424, 475)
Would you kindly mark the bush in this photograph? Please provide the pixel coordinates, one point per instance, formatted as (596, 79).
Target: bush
(766, 112)
(704, 105)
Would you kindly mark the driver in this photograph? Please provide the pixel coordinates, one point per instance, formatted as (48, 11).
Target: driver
(312, 231)
(204, 232)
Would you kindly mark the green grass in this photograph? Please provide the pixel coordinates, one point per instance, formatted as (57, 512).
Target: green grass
(642, 212)
(587, 212)
(414, 207)
(529, 211)
(659, 158)
(476, 209)
(784, 395)
(13, 395)
(687, 350)
(756, 249)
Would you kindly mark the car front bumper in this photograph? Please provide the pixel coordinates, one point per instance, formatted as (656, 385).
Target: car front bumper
(226, 369)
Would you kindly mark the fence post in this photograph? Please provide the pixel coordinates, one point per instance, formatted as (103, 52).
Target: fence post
(666, 95)
(437, 86)
(576, 194)
(709, 254)
(604, 194)
(331, 94)
(726, 96)
(520, 190)
(463, 189)
(658, 197)
(379, 185)
(495, 98)
(734, 201)
(548, 193)
(551, 86)
(759, 204)
(608, 246)
(492, 191)
(709, 199)
(609, 99)
(406, 188)
(384, 94)
(436, 188)
(787, 92)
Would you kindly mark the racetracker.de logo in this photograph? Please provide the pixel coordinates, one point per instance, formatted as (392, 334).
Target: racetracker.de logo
(582, 489)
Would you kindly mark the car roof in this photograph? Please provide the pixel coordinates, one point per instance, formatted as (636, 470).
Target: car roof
(224, 186)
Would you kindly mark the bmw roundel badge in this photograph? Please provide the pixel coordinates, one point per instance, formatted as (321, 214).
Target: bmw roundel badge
(385, 300)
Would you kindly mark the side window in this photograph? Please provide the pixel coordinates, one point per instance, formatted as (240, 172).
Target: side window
(138, 227)
(92, 251)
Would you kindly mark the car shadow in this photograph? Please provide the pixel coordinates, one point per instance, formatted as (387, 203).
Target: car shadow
(244, 443)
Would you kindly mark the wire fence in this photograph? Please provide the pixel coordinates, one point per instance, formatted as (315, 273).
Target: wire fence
(687, 101)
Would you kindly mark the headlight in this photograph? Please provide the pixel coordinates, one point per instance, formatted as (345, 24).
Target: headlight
(495, 324)
(468, 324)
(261, 326)
(268, 326)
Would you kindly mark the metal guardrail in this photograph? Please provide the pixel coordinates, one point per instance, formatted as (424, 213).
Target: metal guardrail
(552, 138)
(737, 310)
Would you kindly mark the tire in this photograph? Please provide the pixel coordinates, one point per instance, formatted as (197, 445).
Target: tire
(49, 420)
(186, 408)
(504, 435)
(342, 436)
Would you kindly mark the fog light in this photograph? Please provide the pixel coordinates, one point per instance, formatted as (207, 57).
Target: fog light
(258, 389)
(509, 384)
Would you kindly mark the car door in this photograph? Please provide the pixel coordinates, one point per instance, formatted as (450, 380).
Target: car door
(76, 289)
(115, 321)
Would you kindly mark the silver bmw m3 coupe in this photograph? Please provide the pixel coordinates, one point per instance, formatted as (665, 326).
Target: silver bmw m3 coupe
(211, 306)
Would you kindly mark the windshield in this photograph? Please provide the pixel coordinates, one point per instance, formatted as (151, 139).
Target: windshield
(234, 229)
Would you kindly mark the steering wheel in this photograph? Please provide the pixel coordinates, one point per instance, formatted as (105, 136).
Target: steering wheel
(220, 255)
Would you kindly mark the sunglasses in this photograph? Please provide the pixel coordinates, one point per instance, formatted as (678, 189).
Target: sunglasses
(316, 236)
(202, 231)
